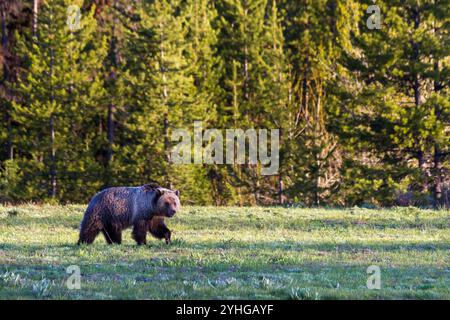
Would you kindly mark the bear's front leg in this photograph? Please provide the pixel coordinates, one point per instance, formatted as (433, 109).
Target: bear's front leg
(140, 232)
(167, 235)
(158, 229)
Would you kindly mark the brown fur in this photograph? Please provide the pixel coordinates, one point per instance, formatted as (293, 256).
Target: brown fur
(158, 229)
(115, 209)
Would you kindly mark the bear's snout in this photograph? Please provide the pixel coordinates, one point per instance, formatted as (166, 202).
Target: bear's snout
(171, 213)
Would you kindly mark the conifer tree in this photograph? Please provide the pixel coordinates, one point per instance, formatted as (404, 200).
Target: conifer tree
(316, 33)
(9, 12)
(401, 113)
(361, 103)
(162, 78)
(57, 94)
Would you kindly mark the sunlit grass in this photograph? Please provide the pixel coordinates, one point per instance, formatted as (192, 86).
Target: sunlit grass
(229, 253)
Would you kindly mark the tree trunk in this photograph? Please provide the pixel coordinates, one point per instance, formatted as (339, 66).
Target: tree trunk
(52, 158)
(165, 97)
(437, 169)
(35, 16)
(4, 45)
(421, 162)
(166, 136)
(111, 106)
(421, 156)
(437, 188)
(316, 167)
(9, 145)
(110, 133)
(246, 69)
(52, 132)
(280, 189)
(333, 26)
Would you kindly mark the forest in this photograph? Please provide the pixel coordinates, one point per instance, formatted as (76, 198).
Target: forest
(90, 92)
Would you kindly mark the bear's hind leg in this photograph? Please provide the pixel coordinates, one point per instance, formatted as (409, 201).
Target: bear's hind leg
(112, 235)
(117, 237)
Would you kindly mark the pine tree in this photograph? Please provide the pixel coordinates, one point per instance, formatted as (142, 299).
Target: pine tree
(56, 97)
(363, 113)
(273, 95)
(316, 33)
(10, 11)
(204, 64)
(401, 113)
(206, 67)
(161, 80)
(246, 49)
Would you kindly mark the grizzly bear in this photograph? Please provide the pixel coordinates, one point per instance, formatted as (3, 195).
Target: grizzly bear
(115, 209)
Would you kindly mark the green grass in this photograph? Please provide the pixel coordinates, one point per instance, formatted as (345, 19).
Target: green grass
(231, 253)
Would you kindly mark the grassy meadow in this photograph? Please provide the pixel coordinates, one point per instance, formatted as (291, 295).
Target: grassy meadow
(231, 253)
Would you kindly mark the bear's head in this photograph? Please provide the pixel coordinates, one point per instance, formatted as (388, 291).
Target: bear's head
(167, 202)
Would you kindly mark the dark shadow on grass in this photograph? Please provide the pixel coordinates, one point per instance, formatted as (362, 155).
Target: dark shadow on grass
(245, 223)
(260, 245)
(271, 222)
(403, 281)
(320, 246)
(306, 275)
(66, 222)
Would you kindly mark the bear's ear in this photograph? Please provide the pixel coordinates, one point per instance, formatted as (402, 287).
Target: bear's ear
(150, 186)
(177, 193)
(158, 192)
